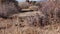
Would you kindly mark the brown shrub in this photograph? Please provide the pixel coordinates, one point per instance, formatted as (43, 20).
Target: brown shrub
(35, 18)
(52, 11)
(8, 7)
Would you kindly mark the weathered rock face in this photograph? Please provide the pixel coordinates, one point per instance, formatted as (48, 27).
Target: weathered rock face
(8, 7)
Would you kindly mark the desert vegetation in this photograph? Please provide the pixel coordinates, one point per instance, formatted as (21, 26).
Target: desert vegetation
(29, 17)
(8, 7)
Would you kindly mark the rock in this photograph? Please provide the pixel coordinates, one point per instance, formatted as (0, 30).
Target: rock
(24, 5)
(34, 8)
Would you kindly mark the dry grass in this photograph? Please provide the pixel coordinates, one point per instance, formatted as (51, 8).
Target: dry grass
(44, 21)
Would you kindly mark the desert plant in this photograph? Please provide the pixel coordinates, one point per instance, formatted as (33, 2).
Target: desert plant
(49, 9)
(8, 7)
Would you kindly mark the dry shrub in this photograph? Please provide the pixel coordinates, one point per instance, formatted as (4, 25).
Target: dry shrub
(35, 18)
(52, 11)
(8, 7)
